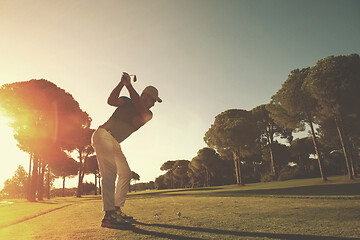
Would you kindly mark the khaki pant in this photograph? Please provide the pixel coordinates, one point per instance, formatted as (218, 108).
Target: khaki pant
(111, 162)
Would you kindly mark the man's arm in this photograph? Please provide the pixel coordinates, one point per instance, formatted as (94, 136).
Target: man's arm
(135, 98)
(114, 99)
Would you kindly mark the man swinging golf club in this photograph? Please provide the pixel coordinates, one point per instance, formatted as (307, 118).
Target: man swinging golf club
(130, 114)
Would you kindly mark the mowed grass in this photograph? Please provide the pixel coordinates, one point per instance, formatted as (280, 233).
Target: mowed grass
(296, 209)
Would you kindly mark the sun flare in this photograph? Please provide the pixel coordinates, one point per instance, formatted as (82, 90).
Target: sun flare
(11, 155)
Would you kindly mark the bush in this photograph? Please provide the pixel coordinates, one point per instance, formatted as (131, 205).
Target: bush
(58, 192)
(288, 173)
(267, 177)
(88, 188)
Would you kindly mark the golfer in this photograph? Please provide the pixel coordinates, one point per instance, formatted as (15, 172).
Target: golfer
(130, 114)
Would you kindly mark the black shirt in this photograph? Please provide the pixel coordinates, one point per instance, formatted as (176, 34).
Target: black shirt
(124, 121)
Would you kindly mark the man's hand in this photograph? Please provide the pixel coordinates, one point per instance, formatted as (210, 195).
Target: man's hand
(125, 79)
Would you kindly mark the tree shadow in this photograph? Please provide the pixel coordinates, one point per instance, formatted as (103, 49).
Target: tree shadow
(342, 190)
(34, 216)
(170, 191)
(162, 234)
(60, 200)
(226, 232)
(315, 190)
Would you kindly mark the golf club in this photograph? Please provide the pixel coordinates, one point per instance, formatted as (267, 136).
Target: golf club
(131, 75)
(135, 79)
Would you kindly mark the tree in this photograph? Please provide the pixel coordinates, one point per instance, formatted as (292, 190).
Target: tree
(280, 152)
(47, 158)
(93, 167)
(64, 166)
(44, 117)
(135, 177)
(169, 167)
(235, 132)
(16, 187)
(203, 167)
(84, 150)
(333, 151)
(334, 83)
(176, 175)
(301, 149)
(180, 170)
(299, 106)
(269, 130)
(160, 182)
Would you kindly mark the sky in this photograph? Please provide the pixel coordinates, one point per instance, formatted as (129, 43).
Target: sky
(204, 56)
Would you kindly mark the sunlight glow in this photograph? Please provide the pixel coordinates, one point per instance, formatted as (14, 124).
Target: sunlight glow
(11, 156)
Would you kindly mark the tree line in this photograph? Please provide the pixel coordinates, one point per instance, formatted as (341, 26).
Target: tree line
(258, 145)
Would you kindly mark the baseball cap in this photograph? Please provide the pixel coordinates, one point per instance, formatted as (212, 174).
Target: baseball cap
(153, 92)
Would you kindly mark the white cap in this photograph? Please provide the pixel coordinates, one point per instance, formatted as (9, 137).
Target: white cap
(153, 92)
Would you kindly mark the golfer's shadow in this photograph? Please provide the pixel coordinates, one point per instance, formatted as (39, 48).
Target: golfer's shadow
(220, 232)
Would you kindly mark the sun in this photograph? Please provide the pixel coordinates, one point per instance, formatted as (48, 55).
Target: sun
(10, 155)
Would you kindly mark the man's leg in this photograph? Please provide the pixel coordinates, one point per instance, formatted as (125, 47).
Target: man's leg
(105, 145)
(105, 154)
(124, 177)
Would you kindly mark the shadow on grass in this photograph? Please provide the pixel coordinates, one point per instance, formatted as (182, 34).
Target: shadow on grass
(60, 200)
(34, 216)
(342, 190)
(162, 234)
(227, 232)
(315, 190)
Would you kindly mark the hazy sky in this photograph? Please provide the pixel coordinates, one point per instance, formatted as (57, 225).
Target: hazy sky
(204, 56)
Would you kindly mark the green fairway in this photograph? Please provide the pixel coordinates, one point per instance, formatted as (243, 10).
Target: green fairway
(296, 209)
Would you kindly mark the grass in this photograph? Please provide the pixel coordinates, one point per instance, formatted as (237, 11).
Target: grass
(296, 209)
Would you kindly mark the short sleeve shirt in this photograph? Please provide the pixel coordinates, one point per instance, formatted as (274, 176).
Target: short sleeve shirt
(124, 121)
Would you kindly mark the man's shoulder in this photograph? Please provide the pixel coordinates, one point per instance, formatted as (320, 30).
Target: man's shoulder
(125, 98)
(127, 101)
(148, 116)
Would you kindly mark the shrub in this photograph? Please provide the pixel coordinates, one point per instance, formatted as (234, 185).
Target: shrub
(288, 173)
(267, 177)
